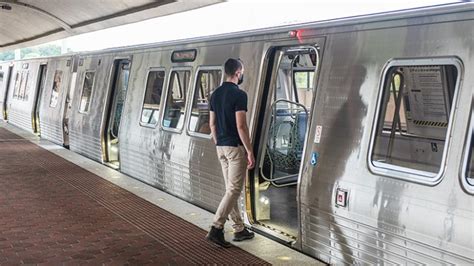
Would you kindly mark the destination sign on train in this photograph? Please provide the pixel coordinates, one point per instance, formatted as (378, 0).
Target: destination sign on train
(184, 56)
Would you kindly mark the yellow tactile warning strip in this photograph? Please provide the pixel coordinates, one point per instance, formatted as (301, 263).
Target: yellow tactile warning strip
(55, 212)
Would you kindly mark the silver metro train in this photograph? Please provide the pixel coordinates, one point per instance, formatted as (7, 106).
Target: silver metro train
(362, 127)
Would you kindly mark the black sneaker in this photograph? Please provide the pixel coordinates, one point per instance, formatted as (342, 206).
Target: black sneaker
(243, 235)
(217, 236)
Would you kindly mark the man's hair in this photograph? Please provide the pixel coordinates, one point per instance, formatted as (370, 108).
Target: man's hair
(231, 66)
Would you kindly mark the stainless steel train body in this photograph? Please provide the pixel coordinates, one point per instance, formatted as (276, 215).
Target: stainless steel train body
(32, 94)
(361, 127)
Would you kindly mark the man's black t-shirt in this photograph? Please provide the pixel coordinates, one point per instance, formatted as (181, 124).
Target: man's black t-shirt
(225, 101)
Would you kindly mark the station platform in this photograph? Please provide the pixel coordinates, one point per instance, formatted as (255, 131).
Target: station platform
(58, 207)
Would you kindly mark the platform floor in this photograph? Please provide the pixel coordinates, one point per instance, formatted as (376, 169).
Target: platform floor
(54, 211)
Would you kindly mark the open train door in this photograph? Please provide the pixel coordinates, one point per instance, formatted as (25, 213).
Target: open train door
(38, 95)
(283, 124)
(115, 104)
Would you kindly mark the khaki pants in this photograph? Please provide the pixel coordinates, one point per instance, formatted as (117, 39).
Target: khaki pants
(234, 165)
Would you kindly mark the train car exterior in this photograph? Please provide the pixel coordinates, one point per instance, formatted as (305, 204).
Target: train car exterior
(20, 98)
(362, 129)
(26, 99)
(389, 185)
(94, 74)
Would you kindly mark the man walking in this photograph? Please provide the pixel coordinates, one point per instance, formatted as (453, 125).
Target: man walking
(228, 122)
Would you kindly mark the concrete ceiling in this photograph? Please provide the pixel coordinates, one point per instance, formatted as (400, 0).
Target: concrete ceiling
(25, 23)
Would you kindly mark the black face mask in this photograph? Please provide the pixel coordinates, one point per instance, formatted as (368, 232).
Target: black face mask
(241, 79)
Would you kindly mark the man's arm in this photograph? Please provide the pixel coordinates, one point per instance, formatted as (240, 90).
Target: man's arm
(212, 125)
(241, 119)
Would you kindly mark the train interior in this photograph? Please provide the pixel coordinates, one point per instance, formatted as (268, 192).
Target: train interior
(417, 105)
(291, 93)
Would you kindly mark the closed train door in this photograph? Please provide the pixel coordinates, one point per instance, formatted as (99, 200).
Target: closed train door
(119, 86)
(283, 124)
(37, 102)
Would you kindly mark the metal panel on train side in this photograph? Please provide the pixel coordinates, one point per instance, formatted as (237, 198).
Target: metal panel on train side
(387, 220)
(85, 127)
(53, 98)
(22, 93)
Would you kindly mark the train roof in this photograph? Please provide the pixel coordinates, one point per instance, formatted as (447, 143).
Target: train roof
(323, 22)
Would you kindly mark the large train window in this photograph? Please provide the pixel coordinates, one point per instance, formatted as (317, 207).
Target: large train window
(175, 104)
(151, 103)
(86, 92)
(413, 119)
(207, 80)
(468, 169)
(55, 89)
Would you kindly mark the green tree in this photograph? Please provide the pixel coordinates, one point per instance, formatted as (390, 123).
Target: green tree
(49, 50)
(8, 55)
(32, 52)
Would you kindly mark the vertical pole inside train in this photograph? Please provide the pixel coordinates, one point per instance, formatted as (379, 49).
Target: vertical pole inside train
(114, 112)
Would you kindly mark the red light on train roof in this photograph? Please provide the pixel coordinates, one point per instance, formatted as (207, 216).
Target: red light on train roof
(296, 34)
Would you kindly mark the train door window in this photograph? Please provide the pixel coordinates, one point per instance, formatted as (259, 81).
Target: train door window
(175, 104)
(86, 91)
(1, 79)
(16, 89)
(55, 89)
(207, 80)
(23, 94)
(468, 172)
(413, 119)
(21, 89)
(151, 103)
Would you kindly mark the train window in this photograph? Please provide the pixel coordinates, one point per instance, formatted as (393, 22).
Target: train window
(20, 92)
(468, 178)
(175, 103)
(86, 92)
(16, 89)
(151, 103)
(55, 89)
(207, 80)
(23, 94)
(304, 83)
(414, 115)
(1, 79)
(304, 80)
